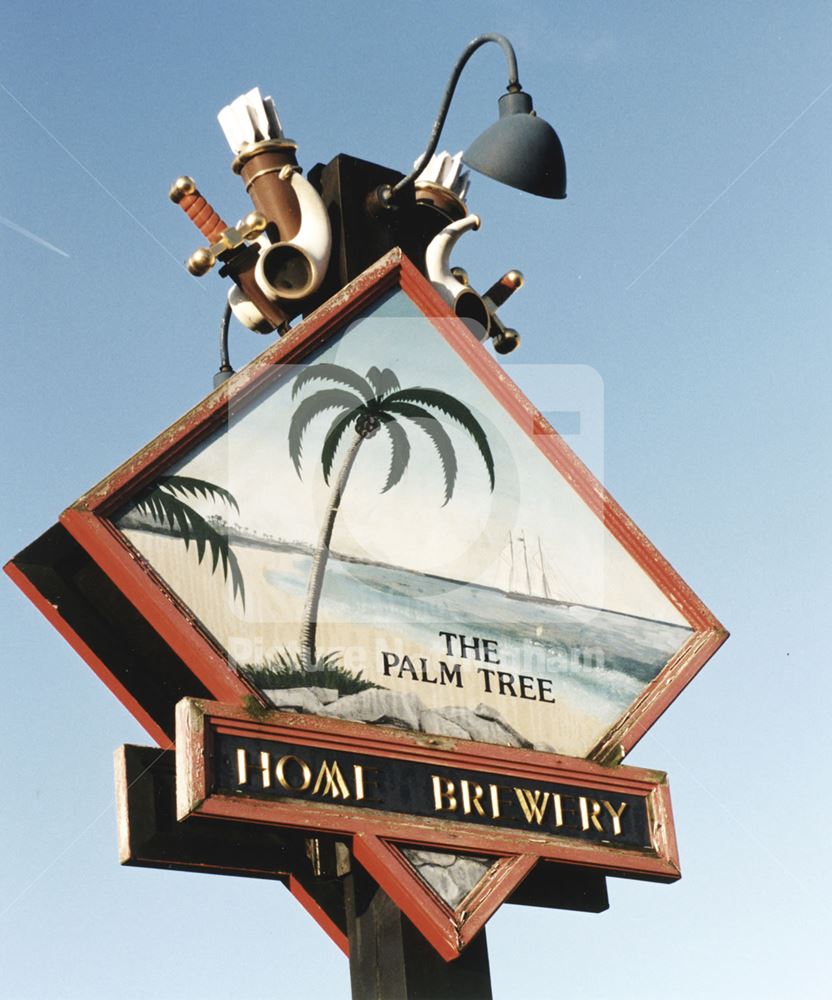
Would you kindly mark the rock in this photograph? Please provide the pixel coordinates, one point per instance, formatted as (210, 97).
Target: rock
(441, 858)
(431, 721)
(295, 700)
(325, 695)
(385, 708)
(488, 712)
(406, 711)
(451, 876)
(486, 730)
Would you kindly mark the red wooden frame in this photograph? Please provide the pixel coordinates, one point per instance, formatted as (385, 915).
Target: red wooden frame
(87, 519)
(377, 835)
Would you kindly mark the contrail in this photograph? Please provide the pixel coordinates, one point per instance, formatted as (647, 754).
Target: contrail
(92, 177)
(31, 236)
(728, 187)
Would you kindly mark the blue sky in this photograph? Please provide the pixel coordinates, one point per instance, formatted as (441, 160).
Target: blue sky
(689, 267)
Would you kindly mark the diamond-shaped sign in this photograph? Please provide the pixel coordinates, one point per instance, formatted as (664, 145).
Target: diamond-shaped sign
(370, 522)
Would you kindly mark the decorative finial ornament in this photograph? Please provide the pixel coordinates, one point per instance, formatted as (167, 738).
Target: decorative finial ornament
(250, 119)
(445, 171)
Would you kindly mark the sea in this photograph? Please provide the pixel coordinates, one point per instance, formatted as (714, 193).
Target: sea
(597, 659)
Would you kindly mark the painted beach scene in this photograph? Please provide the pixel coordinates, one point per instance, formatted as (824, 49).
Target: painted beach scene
(375, 538)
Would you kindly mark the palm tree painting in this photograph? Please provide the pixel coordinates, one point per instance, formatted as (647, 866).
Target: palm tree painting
(164, 502)
(364, 406)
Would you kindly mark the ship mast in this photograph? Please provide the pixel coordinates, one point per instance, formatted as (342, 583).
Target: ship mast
(546, 591)
(526, 561)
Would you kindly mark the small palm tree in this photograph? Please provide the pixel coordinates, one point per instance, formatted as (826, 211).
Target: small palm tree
(163, 502)
(364, 406)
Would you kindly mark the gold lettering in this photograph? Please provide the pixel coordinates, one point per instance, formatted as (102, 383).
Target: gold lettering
(496, 804)
(280, 772)
(265, 769)
(589, 814)
(242, 767)
(366, 783)
(558, 809)
(335, 784)
(443, 788)
(616, 817)
(468, 800)
(531, 804)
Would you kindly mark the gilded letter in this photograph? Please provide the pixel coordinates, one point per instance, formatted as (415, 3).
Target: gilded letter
(443, 788)
(496, 803)
(366, 783)
(616, 817)
(242, 768)
(306, 774)
(530, 802)
(470, 801)
(589, 813)
(358, 774)
(335, 784)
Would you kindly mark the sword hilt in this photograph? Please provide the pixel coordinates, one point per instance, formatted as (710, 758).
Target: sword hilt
(220, 236)
(184, 193)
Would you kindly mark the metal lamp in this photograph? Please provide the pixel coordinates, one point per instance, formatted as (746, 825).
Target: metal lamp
(520, 149)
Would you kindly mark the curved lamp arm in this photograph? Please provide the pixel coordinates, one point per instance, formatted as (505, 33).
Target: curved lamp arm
(387, 194)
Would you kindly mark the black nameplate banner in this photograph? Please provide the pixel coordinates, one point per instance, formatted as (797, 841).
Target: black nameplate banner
(273, 769)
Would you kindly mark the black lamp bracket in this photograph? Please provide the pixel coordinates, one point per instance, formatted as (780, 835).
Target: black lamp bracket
(387, 194)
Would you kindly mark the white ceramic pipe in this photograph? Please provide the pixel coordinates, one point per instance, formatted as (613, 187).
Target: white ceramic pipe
(295, 268)
(246, 312)
(463, 300)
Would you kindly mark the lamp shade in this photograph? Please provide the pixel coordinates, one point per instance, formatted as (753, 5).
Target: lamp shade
(520, 150)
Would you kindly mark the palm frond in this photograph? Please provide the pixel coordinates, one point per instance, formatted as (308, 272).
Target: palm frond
(453, 408)
(309, 408)
(399, 450)
(383, 382)
(333, 373)
(438, 435)
(333, 439)
(166, 508)
(190, 486)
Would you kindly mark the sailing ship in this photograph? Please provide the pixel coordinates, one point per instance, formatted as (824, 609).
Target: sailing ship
(530, 575)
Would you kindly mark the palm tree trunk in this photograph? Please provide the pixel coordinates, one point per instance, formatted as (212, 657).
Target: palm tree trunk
(309, 622)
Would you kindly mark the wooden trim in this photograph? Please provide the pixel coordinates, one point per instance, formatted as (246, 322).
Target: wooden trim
(244, 386)
(448, 930)
(87, 519)
(199, 721)
(163, 611)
